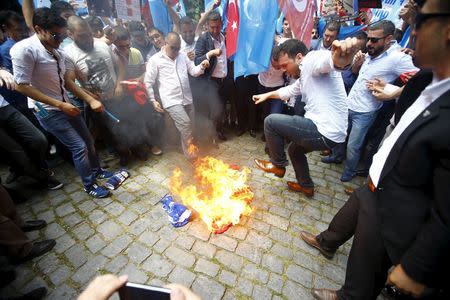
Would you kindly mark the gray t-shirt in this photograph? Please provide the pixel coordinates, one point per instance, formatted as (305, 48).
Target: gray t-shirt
(94, 69)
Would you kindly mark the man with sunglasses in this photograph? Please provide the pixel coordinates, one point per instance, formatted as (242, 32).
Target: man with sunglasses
(169, 70)
(385, 61)
(39, 72)
(401, 218)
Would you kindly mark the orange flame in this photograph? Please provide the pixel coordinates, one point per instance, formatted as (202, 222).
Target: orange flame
(221, 194)
(192, 149)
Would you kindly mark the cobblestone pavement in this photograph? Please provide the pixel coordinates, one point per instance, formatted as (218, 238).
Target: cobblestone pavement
(261, 258)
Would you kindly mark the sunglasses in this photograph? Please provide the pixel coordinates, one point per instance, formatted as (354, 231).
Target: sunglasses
(421, 18)
(58, 37)
(374, 40)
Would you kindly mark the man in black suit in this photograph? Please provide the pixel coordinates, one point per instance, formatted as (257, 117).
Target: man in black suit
(401, 218)
(211, 89)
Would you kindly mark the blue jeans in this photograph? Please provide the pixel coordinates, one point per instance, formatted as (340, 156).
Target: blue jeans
(359, 124)
(304, 137)
(73, 133)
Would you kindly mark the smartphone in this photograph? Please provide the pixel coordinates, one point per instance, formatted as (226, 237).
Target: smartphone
(135, 291)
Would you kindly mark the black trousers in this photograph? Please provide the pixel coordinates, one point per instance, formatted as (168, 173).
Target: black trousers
(23, 143)
(248, 114)
(368, 261)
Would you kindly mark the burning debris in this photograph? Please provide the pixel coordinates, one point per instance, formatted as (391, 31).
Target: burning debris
(220, 194)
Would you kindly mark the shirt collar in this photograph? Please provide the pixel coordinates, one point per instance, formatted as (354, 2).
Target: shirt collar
(437, 87)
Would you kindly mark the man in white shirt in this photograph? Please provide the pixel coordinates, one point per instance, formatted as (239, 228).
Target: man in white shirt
(325, 122)
(385, 61)
(330, 34)
(39, 72)
(169, 69)
(400, 219)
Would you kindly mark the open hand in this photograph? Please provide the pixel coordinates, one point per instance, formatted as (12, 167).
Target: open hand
(157, 106)
(7, 80)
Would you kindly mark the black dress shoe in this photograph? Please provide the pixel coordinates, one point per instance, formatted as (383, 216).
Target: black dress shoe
(252, 133)
(36, 294)
(38, 249)
(221, 136)
(32, 225)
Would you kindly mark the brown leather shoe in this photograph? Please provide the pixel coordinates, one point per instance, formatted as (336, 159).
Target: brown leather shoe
(270, 168)
(311, 240)
(325, 153)
(294, 186)
(324, 294)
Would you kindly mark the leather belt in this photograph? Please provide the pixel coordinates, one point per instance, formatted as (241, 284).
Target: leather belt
(372, 186)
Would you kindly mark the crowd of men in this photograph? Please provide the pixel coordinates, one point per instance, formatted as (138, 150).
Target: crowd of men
(77, 83)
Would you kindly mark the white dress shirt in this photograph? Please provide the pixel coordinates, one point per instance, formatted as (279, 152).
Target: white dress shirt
(387, 66)
(220, 70)
(34, 65)
(272, 77)
(426, 98)
(323, 92)
(185, 48)
(172, 78)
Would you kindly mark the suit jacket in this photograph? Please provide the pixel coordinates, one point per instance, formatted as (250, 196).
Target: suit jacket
(204, 45)
(413, 195)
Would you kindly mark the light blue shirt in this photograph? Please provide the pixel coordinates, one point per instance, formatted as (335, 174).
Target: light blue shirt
(387, 66)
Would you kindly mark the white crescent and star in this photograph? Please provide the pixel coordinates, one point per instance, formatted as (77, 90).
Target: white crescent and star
(299, 5)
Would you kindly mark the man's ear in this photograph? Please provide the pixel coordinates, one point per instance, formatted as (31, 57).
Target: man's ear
(298, 57)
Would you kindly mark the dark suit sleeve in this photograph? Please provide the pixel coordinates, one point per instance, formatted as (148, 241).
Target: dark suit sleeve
(432, 245)
(201, 48)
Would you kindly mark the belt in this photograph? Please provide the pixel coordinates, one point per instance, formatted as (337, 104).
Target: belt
(370, 184)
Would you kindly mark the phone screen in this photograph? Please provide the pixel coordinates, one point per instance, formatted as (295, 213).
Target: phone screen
(134, 291)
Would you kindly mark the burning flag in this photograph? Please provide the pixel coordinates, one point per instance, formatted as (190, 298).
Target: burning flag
(220, 196)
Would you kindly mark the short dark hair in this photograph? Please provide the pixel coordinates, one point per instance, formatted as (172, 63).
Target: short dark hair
(186, 21)
(135, 26)
(292, 47)
(95, 23)
(155, 29)
(333, 26)
(275, 54)
(360, 35)
(47, 19)
(214, 16)
(122, 34)
(60, 6)
(387, 26)
(8, 17)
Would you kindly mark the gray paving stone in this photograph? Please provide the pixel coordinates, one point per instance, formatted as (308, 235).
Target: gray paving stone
(206, 267)
(238, 232)
(276, 221)
(273, 263)
(261, 293)
(180, 257)
(64, 210)
(48, 216)
(95, 243)
(252, 271)
(134, 274)
(148, 238)
(72, 220)
(79, 195)
(208, 288)
(204, 249)
(48, 263)
(161, 245)
(300, 275)
(259, 225)
(199, 230)
(230, 260)
(116, 264)
(63, 243)
(280, 235)
(158, 265)
(138, 253)
(125, 198)
(110, 230)
(87, 206)
(53, 231)
(224, 242)
(280, 211)
(116, 246)
(249, 251)
(76, 255)
(127, 217)
(97, 216)
(63, 292)
(60, 275)
(185, 241)
(295, 291)
(87, 271)
(308, 261)
(259, 240)
(115, 208)
(275, 282)
(168, 233)
(244, 286)
(227, 278)
(334, 273)
(182, 276)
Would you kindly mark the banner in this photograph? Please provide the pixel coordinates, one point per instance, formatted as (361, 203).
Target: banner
(160, 15)
(389, 11)
(232, 31)
(256, 32)
(337, 8)
(146, 14)
(300, 14)
(128, 10)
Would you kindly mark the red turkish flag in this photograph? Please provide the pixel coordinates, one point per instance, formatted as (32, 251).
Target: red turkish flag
(232, 30)
(300, 14)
